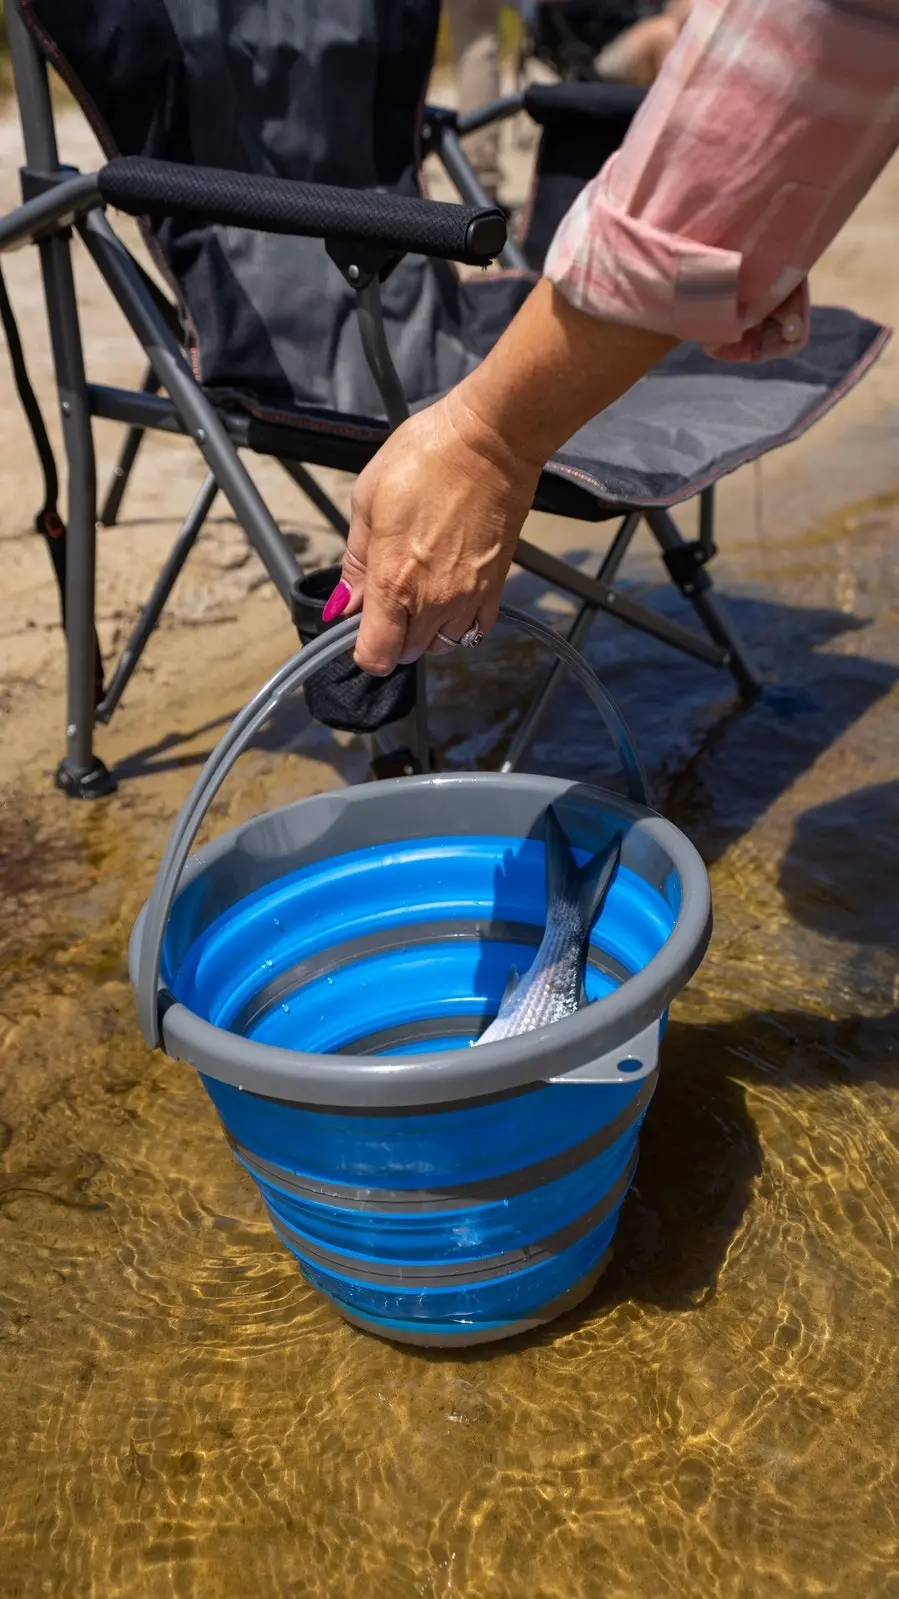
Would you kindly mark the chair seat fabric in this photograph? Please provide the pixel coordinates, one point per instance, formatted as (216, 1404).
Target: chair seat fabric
(687, 423)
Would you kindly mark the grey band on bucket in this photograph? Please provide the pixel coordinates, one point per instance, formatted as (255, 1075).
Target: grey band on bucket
(598, 1043)
(291, 676)
(469, 1271)
(492, 1190)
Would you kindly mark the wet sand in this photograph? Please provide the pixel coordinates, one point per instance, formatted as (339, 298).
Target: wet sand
(179, 1413)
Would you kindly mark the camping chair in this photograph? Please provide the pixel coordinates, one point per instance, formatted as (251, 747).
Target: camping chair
(273, 156)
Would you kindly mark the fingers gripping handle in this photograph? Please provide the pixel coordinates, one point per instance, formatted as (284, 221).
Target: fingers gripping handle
(291, 676)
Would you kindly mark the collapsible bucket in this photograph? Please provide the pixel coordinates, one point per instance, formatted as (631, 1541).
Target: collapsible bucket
(326, 967)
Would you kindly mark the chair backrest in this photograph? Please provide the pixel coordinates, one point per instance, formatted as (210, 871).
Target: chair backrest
(320, 90)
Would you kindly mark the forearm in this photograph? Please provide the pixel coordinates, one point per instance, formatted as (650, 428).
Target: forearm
(765, 128)
(553, 369)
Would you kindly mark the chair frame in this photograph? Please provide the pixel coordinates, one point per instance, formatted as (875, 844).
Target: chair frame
(57, 199)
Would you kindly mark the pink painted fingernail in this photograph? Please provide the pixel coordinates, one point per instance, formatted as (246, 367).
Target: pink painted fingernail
(337, 602)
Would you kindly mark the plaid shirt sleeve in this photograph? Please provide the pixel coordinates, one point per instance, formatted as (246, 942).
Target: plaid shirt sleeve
(767, 124)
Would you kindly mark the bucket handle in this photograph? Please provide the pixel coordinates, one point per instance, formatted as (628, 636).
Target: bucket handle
(291, 676)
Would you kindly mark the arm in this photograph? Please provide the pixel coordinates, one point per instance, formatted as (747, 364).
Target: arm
(767, 125)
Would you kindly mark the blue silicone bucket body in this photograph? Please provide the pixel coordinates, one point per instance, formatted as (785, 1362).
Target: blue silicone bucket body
(327, 968)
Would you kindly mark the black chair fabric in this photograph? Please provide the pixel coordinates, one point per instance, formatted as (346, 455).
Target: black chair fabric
(316, 92)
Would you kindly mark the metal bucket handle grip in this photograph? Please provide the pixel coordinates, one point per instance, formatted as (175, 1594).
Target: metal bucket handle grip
(291, 676)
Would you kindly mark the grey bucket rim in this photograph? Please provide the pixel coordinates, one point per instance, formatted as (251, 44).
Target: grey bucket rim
(452, 1076)
(293, 675)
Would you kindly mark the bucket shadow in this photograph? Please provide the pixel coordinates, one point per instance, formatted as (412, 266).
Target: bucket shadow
(840, 876)
(700, 1152)
(700, 1157)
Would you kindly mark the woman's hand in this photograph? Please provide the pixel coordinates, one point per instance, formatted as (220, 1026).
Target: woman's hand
(435, 520)
(436, 515)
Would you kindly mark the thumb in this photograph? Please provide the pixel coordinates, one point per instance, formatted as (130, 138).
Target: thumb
(382, 636)
(346, 599)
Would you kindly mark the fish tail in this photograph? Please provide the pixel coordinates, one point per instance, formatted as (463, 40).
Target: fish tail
(561, 872)
(588, 885)
(594, 881)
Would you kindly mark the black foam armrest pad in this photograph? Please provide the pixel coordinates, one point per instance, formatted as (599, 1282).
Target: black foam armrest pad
(141, 187)
(547, 103)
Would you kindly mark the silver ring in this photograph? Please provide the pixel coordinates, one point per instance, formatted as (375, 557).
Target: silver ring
(470, 639)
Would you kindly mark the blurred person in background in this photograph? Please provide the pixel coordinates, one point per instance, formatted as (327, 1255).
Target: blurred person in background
(637, 55)
(612, 39)
(474, 34)
(585, 41)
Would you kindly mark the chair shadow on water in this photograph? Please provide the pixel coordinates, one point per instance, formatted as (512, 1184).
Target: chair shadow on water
(288, 730)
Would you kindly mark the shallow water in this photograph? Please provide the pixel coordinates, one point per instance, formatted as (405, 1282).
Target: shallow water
(181, 1415)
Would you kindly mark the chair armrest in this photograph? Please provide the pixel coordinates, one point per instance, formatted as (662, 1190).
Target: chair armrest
(471, 234)
(68, 195)
(552, 103)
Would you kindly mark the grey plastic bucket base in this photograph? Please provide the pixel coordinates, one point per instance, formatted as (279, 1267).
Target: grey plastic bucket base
(469, 1337)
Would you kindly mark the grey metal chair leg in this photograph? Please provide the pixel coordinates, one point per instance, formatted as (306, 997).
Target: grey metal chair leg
(316, 494)
(571, 580)
(686, 563)
(440, 134)
(195, 411)
(707, 522)
(124, 466)
(81, 773)
(380, 363)
(159, 594)
(577, 636)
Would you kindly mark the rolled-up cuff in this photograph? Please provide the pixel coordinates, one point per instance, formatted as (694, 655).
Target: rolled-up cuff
(621, 269)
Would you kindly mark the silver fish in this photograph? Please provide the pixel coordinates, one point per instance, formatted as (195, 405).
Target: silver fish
(553, 986)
